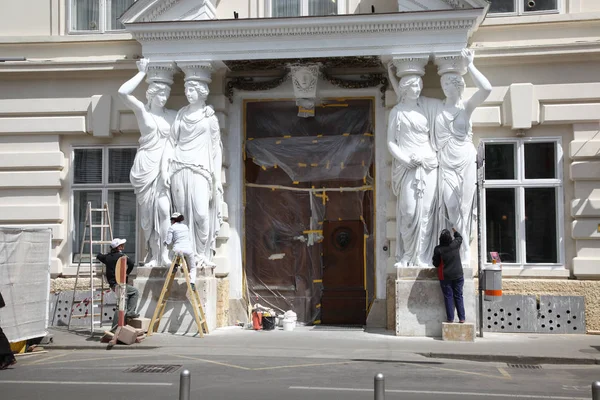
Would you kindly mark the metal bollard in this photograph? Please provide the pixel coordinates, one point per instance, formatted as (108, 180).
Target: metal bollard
(184, 385)
(596, 390)
(379, 387)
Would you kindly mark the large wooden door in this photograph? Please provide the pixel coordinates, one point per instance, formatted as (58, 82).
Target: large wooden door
(344, 294)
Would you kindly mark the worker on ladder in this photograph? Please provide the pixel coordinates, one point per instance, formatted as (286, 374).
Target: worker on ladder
(179, 235)
(110, 260)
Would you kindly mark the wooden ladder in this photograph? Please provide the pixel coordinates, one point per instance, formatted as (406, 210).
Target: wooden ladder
(106, 236)
(194, 298)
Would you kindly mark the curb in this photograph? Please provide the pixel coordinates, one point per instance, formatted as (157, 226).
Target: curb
(533, 360)
(104, 347)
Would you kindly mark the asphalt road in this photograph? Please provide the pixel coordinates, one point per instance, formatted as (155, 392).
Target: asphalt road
(100, 375)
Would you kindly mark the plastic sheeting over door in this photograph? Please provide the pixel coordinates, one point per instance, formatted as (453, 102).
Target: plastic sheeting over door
(301, 172)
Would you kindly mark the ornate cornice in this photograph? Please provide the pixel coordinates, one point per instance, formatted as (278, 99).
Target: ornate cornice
(158, 11)
(200, 33)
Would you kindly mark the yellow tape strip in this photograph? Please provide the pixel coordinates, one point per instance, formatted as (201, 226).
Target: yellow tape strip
(295, 182)
(313, 231)
(318, 306)
(314, 165)
(250, 138)
(317, 322)
(368, 134)
(317, 280)
(287, 136)
(278, 142)
(302, 165)
(345, 134)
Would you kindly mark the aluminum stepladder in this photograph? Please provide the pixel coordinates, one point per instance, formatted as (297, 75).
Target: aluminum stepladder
(106, 236)
(194, 298)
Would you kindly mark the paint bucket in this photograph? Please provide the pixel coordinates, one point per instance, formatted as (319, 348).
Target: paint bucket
(268, 323)
(289, 324)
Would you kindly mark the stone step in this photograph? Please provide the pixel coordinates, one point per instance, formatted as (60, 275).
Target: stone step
(456, 332)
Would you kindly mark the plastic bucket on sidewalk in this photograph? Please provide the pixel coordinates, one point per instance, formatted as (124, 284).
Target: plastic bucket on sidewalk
(289, 325)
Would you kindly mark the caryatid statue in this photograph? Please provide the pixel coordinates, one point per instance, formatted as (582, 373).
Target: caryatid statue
(415, 164)
(195, 163)
(453, 140)
(148, 173)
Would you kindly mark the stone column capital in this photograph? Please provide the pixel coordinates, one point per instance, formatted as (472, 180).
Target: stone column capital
(410, 64)
(450, 62)
(197, 70)
(161, 72)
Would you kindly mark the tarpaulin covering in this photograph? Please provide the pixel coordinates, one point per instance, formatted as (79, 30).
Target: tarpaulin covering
(25, 282)
(301, 172)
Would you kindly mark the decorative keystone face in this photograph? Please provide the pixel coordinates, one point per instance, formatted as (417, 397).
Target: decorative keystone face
(304, 80)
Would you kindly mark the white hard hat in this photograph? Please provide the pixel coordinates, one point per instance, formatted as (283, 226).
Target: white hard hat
(116, 242)
(175, 215)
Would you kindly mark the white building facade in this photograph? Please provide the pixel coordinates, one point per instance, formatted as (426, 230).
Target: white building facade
(66, 138)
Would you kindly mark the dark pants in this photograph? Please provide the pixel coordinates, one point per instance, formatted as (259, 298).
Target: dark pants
(453, 296)
(6, 354)
(132, 295)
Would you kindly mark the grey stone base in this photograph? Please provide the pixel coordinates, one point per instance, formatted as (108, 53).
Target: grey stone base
(377, 317)
(238, 311)
(178, 316)
(420, 307)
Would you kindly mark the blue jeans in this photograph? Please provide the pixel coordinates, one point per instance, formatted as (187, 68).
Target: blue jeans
(453, 296)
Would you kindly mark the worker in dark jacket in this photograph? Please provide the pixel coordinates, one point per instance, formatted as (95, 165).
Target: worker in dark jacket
(110, 260)
(446, 258)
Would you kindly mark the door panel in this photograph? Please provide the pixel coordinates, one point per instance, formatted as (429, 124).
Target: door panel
(344, 295)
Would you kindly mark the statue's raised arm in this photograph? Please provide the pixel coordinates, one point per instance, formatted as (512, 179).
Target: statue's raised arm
(147, 177)
(484, 87)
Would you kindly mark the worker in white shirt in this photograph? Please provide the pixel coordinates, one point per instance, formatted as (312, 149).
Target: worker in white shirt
(179, 235)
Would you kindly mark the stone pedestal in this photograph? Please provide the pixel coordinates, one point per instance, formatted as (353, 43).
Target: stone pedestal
(178, 316)
(458, 332)
(420, 307)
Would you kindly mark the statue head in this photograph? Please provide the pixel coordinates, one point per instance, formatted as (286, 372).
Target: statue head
(157, 95)
(453, 85)
(445, 237)
(195, 91)
(410, 87)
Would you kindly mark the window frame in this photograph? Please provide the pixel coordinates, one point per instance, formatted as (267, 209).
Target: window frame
(104, 187)
(519, 6)
(520, 184)
(102, 21)
(341, 9)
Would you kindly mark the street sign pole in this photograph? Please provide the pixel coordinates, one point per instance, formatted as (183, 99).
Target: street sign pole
(480, 171)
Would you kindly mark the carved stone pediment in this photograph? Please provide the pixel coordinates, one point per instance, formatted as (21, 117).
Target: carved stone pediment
(431, 5)
(170, 10)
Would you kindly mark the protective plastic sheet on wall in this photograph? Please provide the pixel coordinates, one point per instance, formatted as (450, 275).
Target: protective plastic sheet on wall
(25, 282)
(307, 159)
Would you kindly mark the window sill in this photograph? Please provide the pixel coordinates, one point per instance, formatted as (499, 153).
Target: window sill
(541, 272)
(70, 37)
(498, 20)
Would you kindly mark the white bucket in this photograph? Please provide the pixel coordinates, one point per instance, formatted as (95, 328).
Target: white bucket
(289, 324)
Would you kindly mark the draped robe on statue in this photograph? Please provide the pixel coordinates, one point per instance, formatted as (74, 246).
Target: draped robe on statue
(147, 185)
(197, 147)
(416, 188)
(453, 140)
